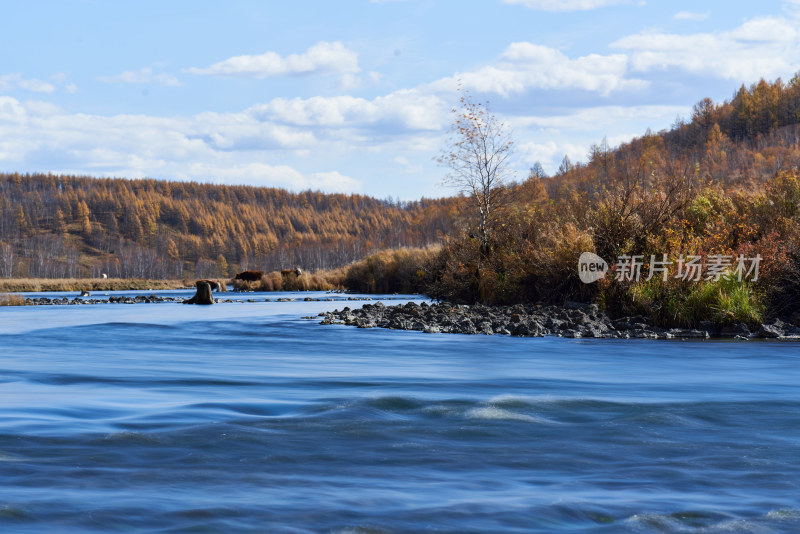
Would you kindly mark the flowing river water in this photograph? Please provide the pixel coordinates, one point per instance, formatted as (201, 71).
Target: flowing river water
(248, 417)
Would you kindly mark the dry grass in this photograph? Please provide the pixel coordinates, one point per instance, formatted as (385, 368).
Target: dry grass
(11, 300)
(400, 270)
(87, 284)
(397, 270)
(275, 281)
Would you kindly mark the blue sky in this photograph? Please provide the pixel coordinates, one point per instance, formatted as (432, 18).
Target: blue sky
(355, 96)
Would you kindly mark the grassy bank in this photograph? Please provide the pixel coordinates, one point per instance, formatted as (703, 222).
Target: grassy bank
(275, 281)
(13, 285)
(400, 270)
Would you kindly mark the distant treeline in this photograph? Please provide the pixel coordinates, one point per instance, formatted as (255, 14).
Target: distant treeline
(69, 226)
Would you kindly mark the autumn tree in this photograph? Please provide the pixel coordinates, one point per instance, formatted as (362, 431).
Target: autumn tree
(222, 266)
(59, 224)
(478, 152)
(21, 220)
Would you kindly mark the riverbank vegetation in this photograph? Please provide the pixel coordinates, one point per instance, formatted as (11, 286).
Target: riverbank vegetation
(9, 299)
(278, 281)
(397, 270)
(724, 184)
(15, 285)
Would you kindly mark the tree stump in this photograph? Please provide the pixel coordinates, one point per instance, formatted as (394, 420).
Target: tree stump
(203, 295)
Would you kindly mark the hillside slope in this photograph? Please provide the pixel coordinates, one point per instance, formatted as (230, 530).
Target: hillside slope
(68, 226)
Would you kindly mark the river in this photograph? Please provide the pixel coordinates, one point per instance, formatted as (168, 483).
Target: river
(252, 417)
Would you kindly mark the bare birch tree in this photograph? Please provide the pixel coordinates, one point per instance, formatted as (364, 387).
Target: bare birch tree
(478, 153)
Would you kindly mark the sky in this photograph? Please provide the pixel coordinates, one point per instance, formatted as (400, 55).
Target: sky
(357, 96)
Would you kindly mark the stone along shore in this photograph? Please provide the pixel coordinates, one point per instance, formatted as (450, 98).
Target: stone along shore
(531, 321)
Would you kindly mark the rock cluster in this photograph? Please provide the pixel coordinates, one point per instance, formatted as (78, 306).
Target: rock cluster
(527, 320)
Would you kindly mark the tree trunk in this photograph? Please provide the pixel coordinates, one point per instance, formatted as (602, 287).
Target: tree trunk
(203, 295)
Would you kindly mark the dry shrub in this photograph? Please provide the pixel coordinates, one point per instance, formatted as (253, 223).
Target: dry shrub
(333, 277)
(305, 282)
(782, 282)
(7, 299)
(246, 285)
(276, 281)
(401, 270)
(272, 281)
(454, 271)
(553, 274)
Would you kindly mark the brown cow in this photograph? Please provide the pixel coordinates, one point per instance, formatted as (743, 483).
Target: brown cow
(249, 276)
(286, 272)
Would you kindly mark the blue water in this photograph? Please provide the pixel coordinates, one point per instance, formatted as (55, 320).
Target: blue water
(246, 417)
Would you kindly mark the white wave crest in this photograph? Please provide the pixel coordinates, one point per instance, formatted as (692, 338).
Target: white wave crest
(493, 412)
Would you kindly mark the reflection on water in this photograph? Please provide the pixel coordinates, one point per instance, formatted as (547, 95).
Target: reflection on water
(247, 417)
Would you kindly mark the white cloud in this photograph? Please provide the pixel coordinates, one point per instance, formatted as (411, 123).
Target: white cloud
(565, 5)
(408, 108)
(9, 82)
(406, 166)
(215, 147)
(523, 66)
(792, 7)
(332, 181)
(144, 75)
(547, 139)
(601, 117)
(765, 47)
(262, 174)
(11, 109)
(550, 153)
(688, 15)
(350, 81)
(322, 58)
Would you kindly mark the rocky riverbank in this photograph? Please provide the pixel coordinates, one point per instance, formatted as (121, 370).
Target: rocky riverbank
(533, 321)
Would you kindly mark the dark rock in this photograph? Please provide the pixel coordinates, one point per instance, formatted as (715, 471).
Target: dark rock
(203, 294)
(770, 331)
(735, 330)
(527, 320)
(688, 333)
(710, 327)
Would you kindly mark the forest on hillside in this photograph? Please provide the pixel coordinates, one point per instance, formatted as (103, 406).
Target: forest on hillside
(722, 186)
(68, 226)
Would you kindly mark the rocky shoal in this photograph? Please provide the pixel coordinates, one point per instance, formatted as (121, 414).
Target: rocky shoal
(576, 321)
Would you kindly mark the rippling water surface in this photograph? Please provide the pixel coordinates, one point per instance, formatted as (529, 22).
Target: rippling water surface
(246, 417)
